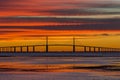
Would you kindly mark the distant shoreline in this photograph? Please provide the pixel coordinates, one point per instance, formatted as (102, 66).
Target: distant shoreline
(55, 54)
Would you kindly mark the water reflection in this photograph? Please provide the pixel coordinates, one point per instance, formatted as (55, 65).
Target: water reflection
(57, 68)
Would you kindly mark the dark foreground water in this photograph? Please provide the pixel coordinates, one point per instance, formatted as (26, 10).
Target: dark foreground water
(59, 68)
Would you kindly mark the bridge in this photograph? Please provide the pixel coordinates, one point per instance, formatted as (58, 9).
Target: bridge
(74, 46)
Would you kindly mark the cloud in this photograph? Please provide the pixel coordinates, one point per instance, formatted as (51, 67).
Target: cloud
(61, 23)
(108, 26)
(58, 15)
(62, 7)
(7, 32)
(71, 19)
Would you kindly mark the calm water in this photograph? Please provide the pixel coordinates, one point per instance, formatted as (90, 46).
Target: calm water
(63, 74)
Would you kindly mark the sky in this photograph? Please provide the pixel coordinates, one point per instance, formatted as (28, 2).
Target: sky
(29, 19)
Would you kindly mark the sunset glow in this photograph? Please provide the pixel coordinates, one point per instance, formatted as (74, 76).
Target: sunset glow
(95, 21)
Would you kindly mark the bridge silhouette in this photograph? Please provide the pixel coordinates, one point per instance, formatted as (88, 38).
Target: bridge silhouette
(32, 48)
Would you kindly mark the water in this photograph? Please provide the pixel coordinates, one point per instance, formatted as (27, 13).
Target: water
(24, 68)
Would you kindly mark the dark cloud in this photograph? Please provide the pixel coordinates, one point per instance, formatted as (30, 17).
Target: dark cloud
(85, 11)
(62, 20)
(79, 8)
(7, 32)
(67, 12)
(65, 23)
(37, 9)
(108, 26)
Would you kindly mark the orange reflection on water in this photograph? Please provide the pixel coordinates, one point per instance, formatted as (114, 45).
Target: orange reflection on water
(17, 68)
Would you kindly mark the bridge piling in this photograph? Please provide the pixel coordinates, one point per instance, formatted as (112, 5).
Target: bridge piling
(33, 49)
(94, 49)
(21, 49)
(14, 49)
(74, 44)
(27, 49)
(89, 49)
(47, 44)
(85, 48)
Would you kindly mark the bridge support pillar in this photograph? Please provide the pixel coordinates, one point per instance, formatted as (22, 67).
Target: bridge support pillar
(21, 49)
(85, 49)
(94, 49)
(46, 44)
(33, 49)
(27, 49)
(14, 49)
(73, 44)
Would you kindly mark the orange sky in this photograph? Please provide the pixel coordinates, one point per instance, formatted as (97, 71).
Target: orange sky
(29, 19)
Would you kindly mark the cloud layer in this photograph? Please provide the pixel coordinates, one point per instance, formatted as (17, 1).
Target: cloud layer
(59, 7)
(47, 16)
